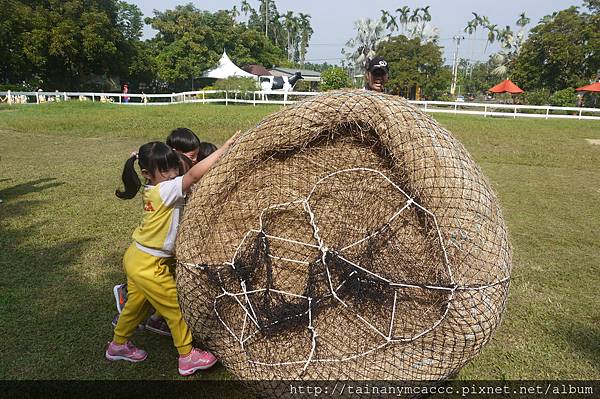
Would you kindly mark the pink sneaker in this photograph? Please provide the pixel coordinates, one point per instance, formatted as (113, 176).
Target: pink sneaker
(125, 352)
(196, 360)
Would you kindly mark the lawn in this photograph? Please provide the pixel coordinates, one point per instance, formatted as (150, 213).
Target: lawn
(63, 233)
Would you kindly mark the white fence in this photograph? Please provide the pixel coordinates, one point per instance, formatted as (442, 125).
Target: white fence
(285, 98)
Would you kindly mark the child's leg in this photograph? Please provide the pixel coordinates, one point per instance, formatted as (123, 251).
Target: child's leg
(163, 297)
(154, 278)
(136, 308)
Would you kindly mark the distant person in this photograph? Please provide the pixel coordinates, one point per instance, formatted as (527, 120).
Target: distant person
(377, 74)
(125, 91)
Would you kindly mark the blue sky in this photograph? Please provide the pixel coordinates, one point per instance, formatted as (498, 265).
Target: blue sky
(333, 21)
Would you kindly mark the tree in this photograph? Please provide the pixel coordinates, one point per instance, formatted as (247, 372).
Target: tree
(478, 79)
(69, 44)
(413, 25)
(491, 37)
(130, 21)
(246, 8)
(369, 34)
(592, 5)
(403, 18)
(288, 32)
(389, 20)
(334, 78)
(72, 43)
(190, 41)
(16, 19)
(291, 26)
(561, 52)
(415, 66)
(523, 20)
(305, 34)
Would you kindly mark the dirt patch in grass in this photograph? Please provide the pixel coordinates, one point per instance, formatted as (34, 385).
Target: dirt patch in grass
(593, 141)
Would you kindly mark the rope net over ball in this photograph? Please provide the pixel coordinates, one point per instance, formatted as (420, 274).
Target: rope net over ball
(347, 237)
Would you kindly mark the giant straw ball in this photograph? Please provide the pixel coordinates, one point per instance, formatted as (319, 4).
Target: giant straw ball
(347, 237)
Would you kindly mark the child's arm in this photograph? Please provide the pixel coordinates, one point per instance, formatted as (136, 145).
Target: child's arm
(197, 171)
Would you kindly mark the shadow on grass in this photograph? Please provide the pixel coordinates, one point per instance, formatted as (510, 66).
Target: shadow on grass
(585, 339)
(37, 314)
(33, 186)
(56, 302)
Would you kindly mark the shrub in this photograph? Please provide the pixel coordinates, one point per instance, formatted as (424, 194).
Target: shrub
(537, 97)
(564, 98)
(236, 83)
(200, 96)
(334, 78)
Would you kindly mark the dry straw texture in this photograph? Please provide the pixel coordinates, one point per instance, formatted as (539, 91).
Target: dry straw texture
(347, 237)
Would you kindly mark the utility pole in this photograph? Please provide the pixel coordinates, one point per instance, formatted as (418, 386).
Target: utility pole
(457, 39)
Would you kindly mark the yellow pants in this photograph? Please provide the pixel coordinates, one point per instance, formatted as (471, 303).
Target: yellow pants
(150, 281)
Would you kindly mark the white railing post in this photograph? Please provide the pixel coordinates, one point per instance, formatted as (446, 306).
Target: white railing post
(9, 98)
(485, 111)
(37, 97)
(254, 98)
(203, 99)
(119, 98)
(455, 107)
(515, 116)
(580, 112)
(547, 111)
(226, 97)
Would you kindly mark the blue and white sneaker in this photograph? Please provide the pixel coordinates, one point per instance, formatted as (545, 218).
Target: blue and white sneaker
(120, 292)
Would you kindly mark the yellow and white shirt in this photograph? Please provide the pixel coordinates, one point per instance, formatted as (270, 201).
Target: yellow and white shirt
(163, 204)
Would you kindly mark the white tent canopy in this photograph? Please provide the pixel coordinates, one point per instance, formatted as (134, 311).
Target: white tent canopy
(225, 69)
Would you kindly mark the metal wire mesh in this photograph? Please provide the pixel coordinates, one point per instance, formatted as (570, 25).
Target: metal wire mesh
(348, 237)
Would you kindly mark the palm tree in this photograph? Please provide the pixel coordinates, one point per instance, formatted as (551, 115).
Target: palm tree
(523, 20)
(413, 22)
(291, 26)
(505, 37)
(306, 32)
(548, 18)
(425, 18)
(245, 7)
(403, 18)
(415, 17)
(385, 16)
(369, 34)
(491, 37)
(266, 2)
(426, 15)
(499, 63)
(470, 28)
(234, 12)
(389, 20)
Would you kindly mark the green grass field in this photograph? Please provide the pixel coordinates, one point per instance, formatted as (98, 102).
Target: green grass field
(63, 233)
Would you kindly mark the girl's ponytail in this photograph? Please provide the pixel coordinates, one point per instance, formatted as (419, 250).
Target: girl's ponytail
(131, 180)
